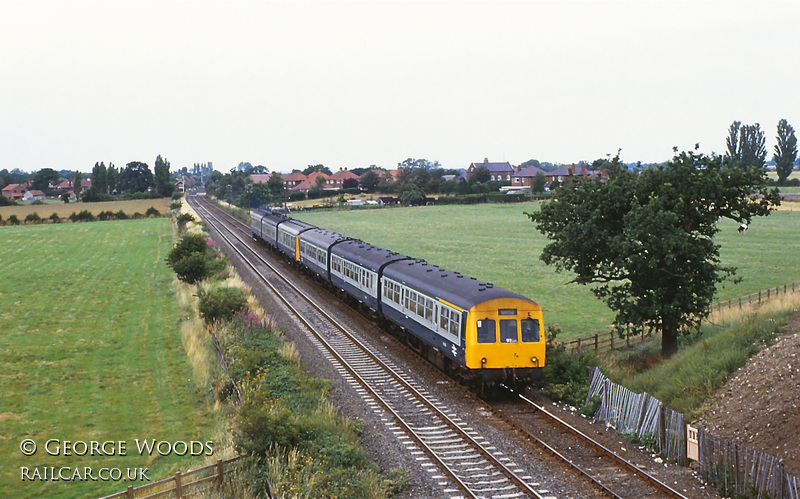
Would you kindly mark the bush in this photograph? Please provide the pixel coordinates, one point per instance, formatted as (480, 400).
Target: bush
(152, 212)
(82, 216)
(37, 202)
(13, 220)
(188, 244)
(175, 204)
(176, 195)
(565, 376)
(55, 218)
(220, 303)
(183, 219)
(192, 268)
(33, 217)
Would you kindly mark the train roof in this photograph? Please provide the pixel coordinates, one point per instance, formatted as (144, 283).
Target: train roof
(365, 254)
(295, 227)
(322, 237)
(460, 290)
(272, 217)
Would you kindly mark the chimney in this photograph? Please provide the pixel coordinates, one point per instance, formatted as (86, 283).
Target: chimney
(485, 161)
(519, 169)
(583, 169)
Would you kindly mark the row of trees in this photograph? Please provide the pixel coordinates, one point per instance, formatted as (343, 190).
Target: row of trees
(135, 177)
(746, 147)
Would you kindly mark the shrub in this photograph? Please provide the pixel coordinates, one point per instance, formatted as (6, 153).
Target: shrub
(565, 376)
(13, 220)
(37, 202)
(188, 244)
(176, 195)
(175, 204)
(82, 216)
(192, 268)
(33, 217)
(183, 219)
(152, 212)
(55, 218)
(220, 303)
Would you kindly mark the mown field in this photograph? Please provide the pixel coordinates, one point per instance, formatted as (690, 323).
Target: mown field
(64, 210)
(499, 244)
(90, 351)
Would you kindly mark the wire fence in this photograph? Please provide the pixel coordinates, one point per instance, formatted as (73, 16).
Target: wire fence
(731, 468)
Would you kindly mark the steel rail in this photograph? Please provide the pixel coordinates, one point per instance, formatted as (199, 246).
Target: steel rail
(517, 481)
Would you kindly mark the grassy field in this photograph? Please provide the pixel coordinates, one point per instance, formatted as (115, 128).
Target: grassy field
(499, 244)
(90, 350)
(65, 210)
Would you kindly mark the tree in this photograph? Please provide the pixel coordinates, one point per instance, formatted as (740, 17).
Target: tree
(275, 184)
(313, 168)
(411, 194)
(112, 179)
(369, 180)
(76, 185)
(746, 145)
(100, 178)
(785, 151)
(44, 177)
(538, 182)
(644, 240)
(163, 182)
(136, 177)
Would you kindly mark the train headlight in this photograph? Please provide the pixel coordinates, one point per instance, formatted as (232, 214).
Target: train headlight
(535, 361)
(483, 361)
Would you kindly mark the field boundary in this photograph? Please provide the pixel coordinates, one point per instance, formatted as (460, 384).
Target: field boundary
(611, 340)
(183, 484)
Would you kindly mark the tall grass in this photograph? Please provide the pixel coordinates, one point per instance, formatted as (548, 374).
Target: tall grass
(685, 381)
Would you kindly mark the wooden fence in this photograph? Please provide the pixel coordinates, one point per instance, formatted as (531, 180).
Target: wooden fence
(612, 339)
(730, 468)
(182, 484)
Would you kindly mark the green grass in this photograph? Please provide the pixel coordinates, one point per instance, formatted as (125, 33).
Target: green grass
(90, 351)
(499, 244)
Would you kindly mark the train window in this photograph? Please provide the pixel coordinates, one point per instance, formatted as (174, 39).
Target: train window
(507, 311)
(508, 331)
(487, 332)
(530, 330)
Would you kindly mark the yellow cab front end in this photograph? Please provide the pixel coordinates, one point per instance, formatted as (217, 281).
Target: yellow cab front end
(506, 333)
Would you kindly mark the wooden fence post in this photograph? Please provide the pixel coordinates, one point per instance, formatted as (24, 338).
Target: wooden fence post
(130, 492)
(611, 335)
(220, 473)
(596, 344)
(178, 488)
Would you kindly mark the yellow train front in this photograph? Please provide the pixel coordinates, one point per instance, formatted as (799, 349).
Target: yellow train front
(476, 332)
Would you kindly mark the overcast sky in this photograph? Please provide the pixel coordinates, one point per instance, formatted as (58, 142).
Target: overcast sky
(350, 84)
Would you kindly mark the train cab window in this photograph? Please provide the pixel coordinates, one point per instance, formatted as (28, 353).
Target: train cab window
(508, 331)
(530, 330)
(487, 331)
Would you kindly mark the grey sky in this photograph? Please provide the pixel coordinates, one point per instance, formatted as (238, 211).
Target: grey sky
(287, 84)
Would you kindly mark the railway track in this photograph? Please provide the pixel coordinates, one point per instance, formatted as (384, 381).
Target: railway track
(428, 430)
(614, 475)
(458, 457)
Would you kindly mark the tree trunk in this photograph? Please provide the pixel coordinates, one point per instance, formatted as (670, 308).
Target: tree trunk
(669, 340)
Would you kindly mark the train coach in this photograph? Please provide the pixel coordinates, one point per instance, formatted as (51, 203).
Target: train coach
(472, 330)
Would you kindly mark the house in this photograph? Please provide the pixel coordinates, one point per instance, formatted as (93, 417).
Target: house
(257, 178)
(14, 192)
(338, 179)
(500, 172)
(180, 185)
(523, 177)
(311, 181)
(293, 179)
(33, 195)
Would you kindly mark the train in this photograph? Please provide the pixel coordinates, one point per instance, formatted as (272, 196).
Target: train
(477, 333)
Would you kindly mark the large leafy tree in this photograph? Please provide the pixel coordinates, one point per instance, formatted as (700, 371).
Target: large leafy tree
(785, 151)
(100, 178)
(644, 239)
(746, 145)
(44, 177)
(136, 177)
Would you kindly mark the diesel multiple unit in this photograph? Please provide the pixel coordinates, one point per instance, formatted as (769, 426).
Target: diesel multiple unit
(477, 333)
